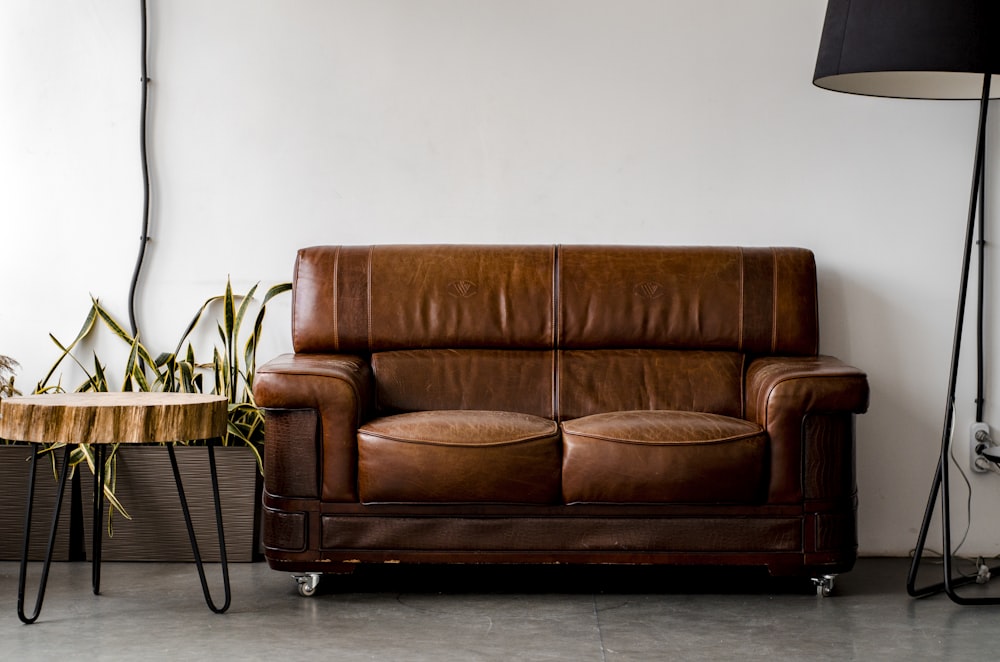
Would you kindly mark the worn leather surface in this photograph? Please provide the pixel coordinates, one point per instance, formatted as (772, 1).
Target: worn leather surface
(292, 453)
(339, 387)
(781, 391)
(502, 380)
(602, 380)
(662, 457)
(589, 381)
(459, 456)
(403, 297)
(756, 300)
(611, 535)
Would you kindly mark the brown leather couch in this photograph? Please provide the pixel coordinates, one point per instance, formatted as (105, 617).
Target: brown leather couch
(569, 404)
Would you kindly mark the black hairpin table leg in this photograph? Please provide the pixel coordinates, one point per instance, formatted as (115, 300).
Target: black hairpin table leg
(100, 457)
(22, 577)
(190, 528)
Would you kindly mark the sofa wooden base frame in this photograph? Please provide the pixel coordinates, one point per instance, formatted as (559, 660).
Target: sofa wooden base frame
(533, 404)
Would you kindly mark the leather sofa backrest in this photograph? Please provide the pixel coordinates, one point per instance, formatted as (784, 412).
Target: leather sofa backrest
(380, 298)
(556, 331)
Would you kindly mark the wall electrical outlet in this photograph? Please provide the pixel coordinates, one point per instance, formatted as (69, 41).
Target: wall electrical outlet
(975, 442)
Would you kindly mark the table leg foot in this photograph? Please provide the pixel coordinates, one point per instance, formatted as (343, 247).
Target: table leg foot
(22, 576)
(190, 527)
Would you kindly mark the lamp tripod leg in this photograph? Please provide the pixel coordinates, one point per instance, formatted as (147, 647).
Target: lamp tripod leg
(940, 483)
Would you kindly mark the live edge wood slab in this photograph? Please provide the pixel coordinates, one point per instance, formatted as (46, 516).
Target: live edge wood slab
(112, 418)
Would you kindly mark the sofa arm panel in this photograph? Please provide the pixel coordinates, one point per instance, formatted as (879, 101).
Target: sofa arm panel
(291, 454)
(781, 392)
(339, 387)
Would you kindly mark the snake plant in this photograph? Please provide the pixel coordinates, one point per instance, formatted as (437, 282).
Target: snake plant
(230, 372)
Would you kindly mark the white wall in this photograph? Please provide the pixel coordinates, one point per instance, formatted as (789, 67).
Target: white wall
(276, 125)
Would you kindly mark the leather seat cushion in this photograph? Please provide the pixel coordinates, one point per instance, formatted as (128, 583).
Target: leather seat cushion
(459, 456)
(662, 456)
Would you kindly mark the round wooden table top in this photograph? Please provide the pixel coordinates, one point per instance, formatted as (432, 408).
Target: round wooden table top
(113, 418)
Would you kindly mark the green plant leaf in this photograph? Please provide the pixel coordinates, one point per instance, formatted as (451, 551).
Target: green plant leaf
(99, 381)
(218, 371)
(131, 365)
(194, 322)
(229, 315)
(241, 313)
(186, 377)
(275, 290)
(112, 324)
(85, 329)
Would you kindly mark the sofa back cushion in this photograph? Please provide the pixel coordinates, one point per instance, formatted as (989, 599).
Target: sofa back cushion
(594, 381)
(377, 298)
(494, 379)
(559, 385)
(755, 300)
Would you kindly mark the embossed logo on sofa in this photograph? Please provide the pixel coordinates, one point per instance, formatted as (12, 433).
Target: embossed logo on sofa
(463, 289)
(649, 289)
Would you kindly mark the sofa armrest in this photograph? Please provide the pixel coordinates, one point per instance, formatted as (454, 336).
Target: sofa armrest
(339, 388)
(781, 392)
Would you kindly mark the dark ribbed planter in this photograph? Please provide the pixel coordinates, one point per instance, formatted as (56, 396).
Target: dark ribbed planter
(157, 532)
(15, 465)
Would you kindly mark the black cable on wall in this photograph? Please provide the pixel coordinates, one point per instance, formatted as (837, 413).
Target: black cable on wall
(144, 158)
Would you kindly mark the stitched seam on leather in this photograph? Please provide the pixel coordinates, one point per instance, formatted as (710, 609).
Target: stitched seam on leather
(368, 294)
(555, 384)
(766, 397)
(447, 444)
(774, 301)
(743, 385)
(336, 300)
(556, 335)
(743, 305)
(635, 442)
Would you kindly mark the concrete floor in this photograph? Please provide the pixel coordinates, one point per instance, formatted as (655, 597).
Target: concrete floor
(151, 611)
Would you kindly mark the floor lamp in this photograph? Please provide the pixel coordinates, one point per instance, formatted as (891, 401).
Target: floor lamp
(925, 49)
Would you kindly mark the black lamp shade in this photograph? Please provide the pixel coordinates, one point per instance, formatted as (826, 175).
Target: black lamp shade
(911, 49)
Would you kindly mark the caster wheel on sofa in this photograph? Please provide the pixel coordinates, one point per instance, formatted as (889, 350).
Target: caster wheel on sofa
(308, 583)
(824, 585)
